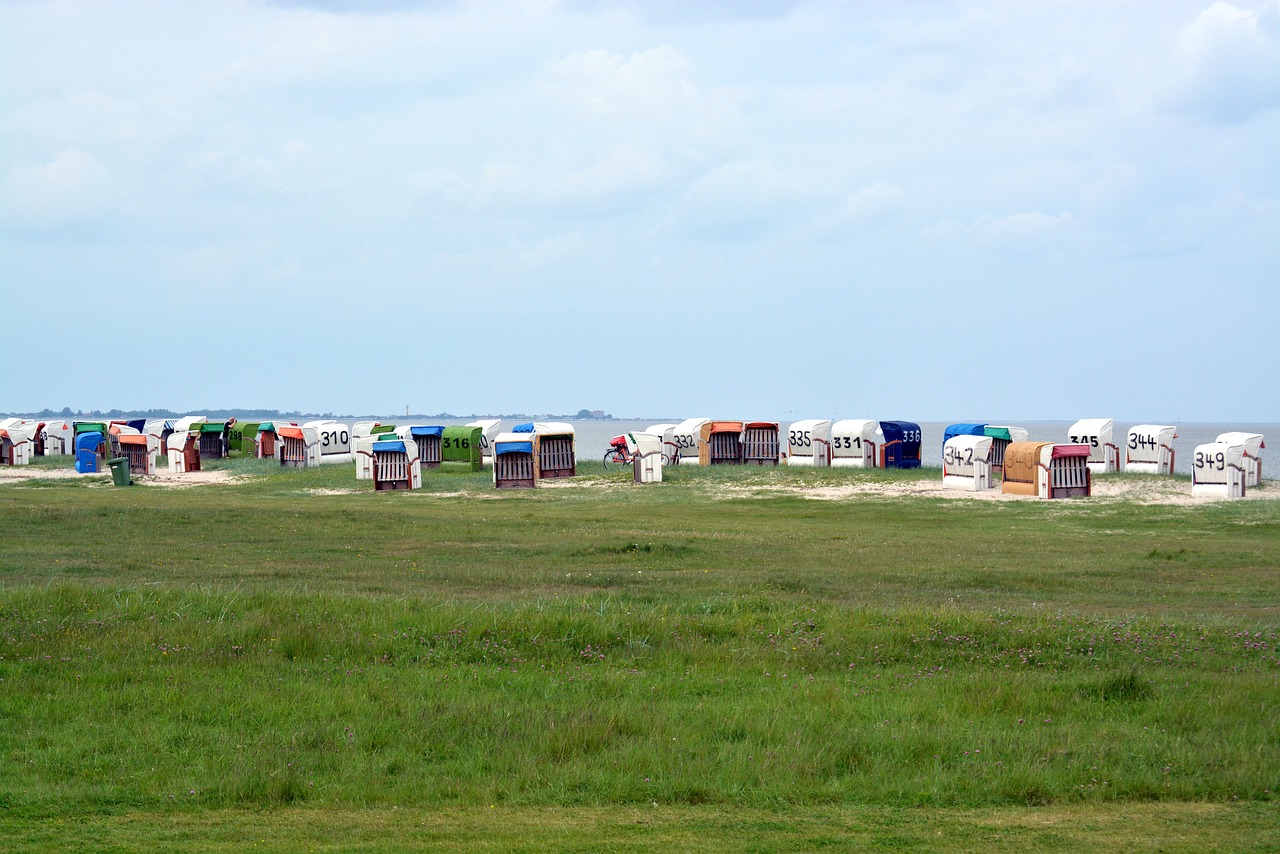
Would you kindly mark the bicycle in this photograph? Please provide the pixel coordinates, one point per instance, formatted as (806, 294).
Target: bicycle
(618, 456)
(670, 454)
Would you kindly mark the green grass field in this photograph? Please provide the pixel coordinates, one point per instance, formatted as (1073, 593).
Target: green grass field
(294, 662)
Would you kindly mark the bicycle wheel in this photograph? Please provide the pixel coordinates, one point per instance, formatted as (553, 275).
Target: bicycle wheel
(613, 458)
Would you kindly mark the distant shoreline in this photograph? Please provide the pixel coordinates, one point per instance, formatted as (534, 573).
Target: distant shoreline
(270, 414)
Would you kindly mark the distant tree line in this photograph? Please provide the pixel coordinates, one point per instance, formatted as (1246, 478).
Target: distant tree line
(265, 414)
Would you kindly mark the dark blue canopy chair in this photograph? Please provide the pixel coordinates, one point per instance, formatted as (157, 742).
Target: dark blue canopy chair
(901, 448)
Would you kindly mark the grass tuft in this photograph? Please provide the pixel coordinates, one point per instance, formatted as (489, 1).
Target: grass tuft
(1124, 687)
(1158, 554)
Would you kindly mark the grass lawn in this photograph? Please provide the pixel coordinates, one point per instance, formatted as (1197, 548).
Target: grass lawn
(716, 662)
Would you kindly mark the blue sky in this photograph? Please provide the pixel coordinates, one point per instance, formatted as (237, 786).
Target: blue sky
(930, 210)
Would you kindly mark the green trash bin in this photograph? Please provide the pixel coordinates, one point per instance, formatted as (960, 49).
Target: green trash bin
(120, 471)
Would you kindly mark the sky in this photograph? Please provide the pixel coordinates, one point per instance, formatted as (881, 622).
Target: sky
(925, 211)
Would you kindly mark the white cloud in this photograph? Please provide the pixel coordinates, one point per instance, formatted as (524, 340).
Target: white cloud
(1021, 229)
(1020, 232)
(601, 132)
(317, 47)
(675, 12)
(622, 170)
(444, 188)
(620, 178)
(648, 83)
(84, 118)
(73, 186)
(245, 167)
(648, 97)
(550, 252)
(866, 207)
(744, 200)
(1225, 66)
(1109, 190)
(249, 272)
